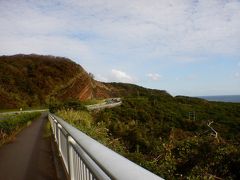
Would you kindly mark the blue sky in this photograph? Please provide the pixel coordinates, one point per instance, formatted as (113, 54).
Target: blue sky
(187, 47)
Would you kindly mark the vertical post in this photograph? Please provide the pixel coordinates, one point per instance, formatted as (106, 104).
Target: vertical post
(55, 131)
(70, 155)
(59, 139)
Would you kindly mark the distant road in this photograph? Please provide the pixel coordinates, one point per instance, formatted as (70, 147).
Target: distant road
(27, 111)
(110, 103)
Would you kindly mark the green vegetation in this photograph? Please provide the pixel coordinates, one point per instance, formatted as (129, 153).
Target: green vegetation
(47, 130)
(12, 124)
(31, 80)
(37, 81)
(176, 138)
(70, 104)
(92, 101)
(84, 121)
(172, 137)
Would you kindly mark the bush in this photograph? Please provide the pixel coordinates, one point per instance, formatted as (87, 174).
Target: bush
(12, 124)
(70, 104)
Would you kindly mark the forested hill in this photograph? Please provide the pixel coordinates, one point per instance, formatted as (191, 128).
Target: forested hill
(177, 138)
(29, 80)
(35, 80)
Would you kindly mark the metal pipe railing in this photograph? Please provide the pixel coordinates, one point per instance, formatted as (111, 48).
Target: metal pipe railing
(86, 159)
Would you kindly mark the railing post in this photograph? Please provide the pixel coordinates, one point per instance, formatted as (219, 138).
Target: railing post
(70, 155)
(55, 130)
(85, 158)
(59, 139)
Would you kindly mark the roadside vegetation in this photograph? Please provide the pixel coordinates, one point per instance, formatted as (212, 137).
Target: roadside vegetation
(176, 138)
(77, 115)
(11, 125)
(93, 101)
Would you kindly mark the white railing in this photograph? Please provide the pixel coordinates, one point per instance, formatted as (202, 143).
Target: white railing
(103, 106)
(86, 159)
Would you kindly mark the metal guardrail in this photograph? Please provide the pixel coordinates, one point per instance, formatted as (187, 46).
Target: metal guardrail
(86, 159)
(103, 105)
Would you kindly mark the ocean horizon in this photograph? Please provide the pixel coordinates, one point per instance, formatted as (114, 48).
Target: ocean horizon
(222, 98)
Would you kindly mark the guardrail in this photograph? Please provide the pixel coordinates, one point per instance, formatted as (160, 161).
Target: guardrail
(103, 105)
(86, 159)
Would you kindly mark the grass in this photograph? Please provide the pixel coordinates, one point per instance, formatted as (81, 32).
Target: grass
(8, 110)
(6, 116)
(24, 109)
(47, 130)
(13, 124)
(93, 101)
(84, 121)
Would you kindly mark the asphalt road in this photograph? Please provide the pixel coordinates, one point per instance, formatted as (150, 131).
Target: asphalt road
(27, 111)
(103, 105)
(29, 156)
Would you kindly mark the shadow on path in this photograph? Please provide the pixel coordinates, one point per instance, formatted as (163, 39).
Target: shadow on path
(29, 156)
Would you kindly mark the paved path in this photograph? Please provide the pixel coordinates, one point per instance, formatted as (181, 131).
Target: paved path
(27, 111)
(29, 156)
(103, 106)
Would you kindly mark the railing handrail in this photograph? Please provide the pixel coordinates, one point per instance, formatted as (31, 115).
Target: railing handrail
(103, 105)
(112, 163)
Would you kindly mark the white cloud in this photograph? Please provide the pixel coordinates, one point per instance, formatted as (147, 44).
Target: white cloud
(237, 74)
(120, 76)
(154, 76)
(56, 45)
(147, 34)
(102, 78)
(191, 77)
(159, 28)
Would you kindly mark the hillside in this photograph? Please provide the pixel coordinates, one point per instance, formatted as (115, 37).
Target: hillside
(30, 80)
(174, 137)
(35, 80)
(177, 138)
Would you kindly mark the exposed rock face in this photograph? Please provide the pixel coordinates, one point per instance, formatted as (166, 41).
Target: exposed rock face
(31, 80)
(34, 80)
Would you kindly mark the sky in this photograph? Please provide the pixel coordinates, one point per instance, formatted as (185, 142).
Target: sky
(186, 47)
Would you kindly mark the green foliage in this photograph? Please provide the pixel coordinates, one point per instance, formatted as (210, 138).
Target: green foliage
(92, 101)
(11, 124)
(84, 121)
(171, 137)
(29, 80)
(70, 104)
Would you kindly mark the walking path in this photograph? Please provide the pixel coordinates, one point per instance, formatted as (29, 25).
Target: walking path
(29, 156)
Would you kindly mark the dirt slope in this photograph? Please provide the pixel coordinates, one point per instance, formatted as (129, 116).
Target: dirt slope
(35, 80)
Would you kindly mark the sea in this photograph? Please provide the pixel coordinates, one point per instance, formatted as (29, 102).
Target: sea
(224, 98)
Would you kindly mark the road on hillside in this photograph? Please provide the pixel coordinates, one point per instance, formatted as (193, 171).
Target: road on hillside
(29, 156)
(27, 111)
(109, 104)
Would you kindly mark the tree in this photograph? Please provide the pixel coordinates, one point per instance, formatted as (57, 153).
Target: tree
(91, 75)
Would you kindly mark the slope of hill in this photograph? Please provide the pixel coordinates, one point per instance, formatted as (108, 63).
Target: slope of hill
(34, 80)
(29, 80)
(177, 138)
